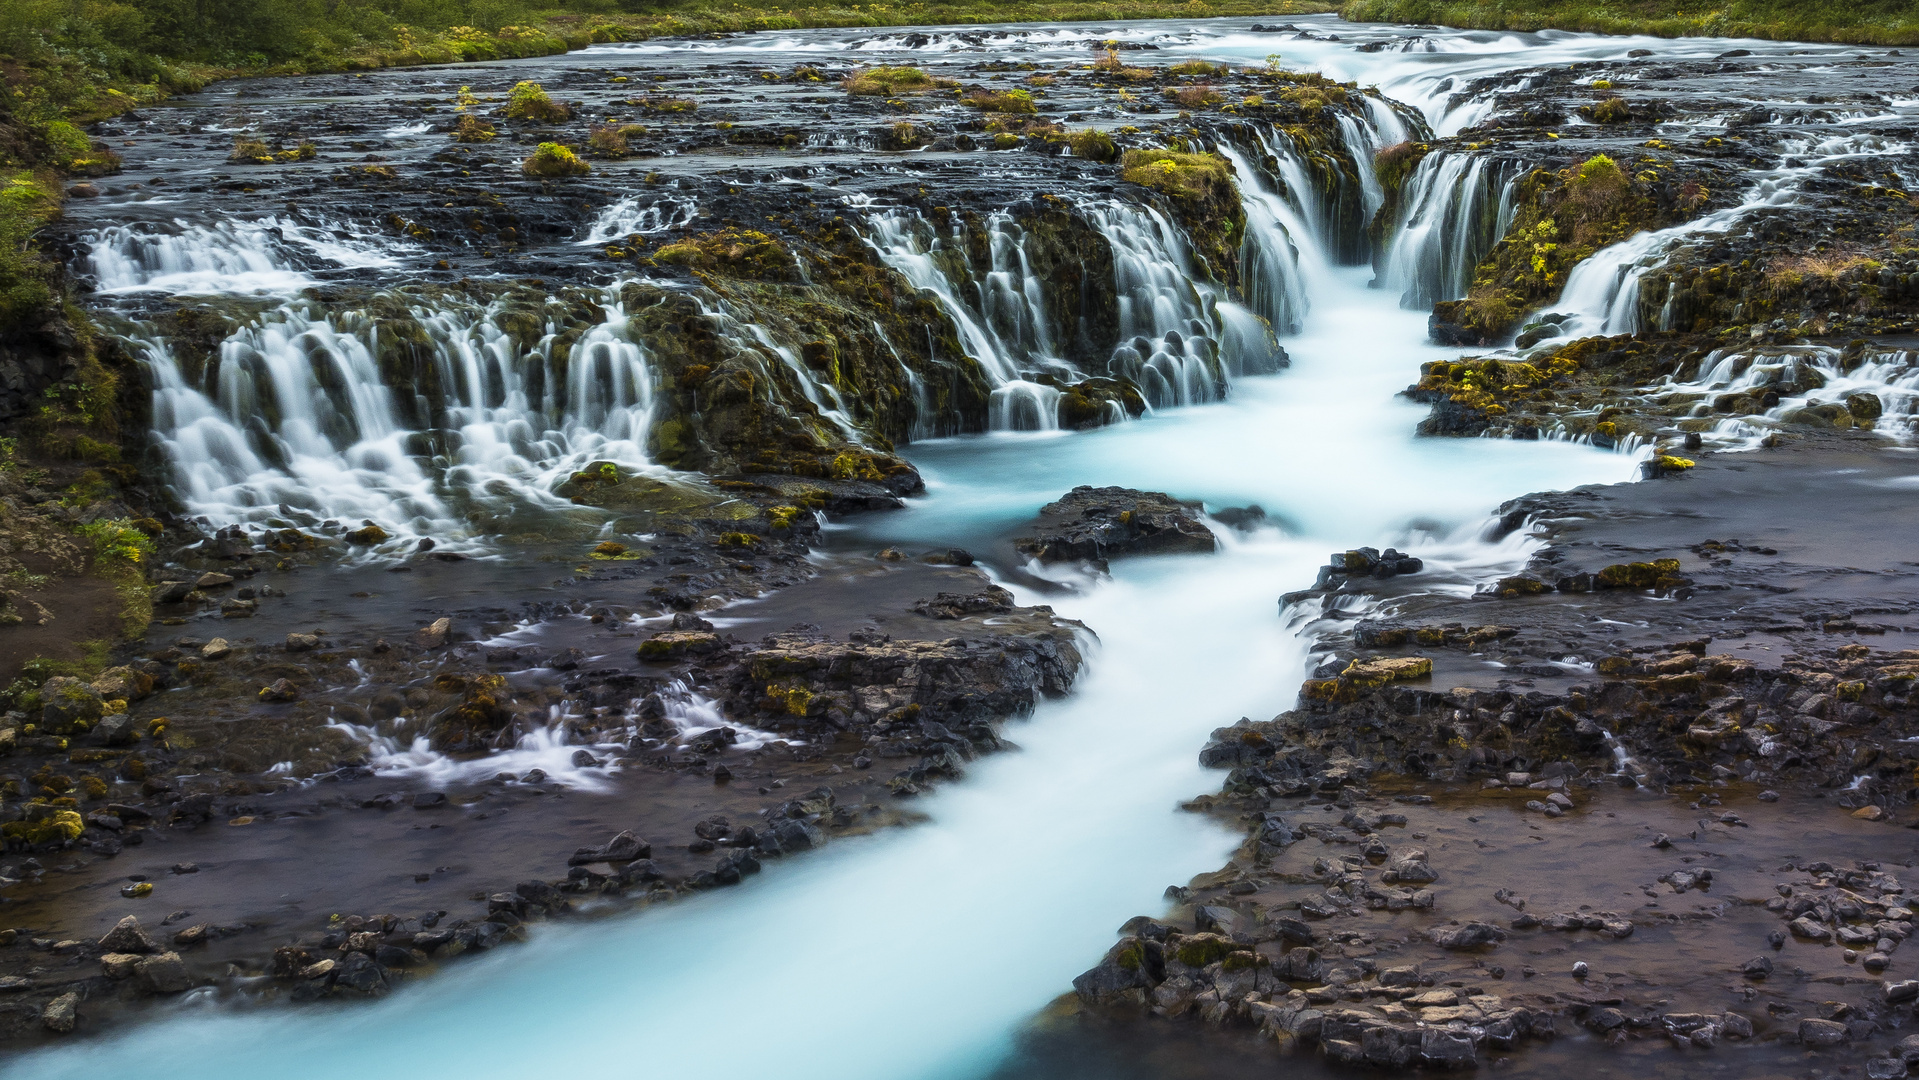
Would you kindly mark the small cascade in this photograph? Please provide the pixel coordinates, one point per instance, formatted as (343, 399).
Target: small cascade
(1274, 265)
(1452, 210)
(1169, 321)
(1025, 406)
(305, 415)
(636, 216)
(265, 256)
(818, 390)
(1000, 311)
(1604, 291)
(1784, 379)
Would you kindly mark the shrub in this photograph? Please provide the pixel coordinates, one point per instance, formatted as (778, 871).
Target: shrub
(659, 103)
(892, 82)
(472, 129)
(1111, 64)
(1002, 101)
(1200, 96)
(552, 160)
(1197, 67)
(1613, 110)
(528, 101)
(1093, 145)
(607, 141)
(249, 150)
(1397, 162)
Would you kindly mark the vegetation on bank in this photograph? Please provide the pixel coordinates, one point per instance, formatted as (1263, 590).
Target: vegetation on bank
(1866, 22)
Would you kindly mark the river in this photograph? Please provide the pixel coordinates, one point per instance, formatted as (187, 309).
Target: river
(923, 952)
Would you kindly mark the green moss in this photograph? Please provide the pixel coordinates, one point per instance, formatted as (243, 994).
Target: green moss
(892, 82)
(529, 101)
(1612, 110)
(472, 129)
(554, 160)
(1002, 101)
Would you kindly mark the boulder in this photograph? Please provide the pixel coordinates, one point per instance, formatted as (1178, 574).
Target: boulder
(1096, 524)
(623, 848)
(61, 1014)
(433, 635)
(165, 973)
(68, 702)
(1470, 936)
(127, 937)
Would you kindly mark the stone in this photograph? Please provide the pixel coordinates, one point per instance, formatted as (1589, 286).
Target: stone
(1447, 1049)
(433, 635)
(69, 702)
(118, 729)
(217, 649)
(1906, 990)
(170, 592)
(302, 642)
(1096, 524)
(1885, 1068)
(676, 644)
(281, 690)
(212, 580)
(61, 1014)
(1814, 1032)
(163, 974)
(127, 937)
(1758, 967)
(1470, 936)
(119, 965)
(1804, 927)
(623, 848)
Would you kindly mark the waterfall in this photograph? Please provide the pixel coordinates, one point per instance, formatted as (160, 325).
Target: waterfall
(294, 421)
(631, 216)
(1449, 218)
(267, 255)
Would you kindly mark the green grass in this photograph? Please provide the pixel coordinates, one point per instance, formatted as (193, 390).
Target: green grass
(1866, 22)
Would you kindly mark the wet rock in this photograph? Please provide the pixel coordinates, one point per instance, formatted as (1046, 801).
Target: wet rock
(358, 972)
(1472, 935)
(281, 690)
(69, 702)
(1758, 967)
(679, 644)
(1095, 524)
(116, 730)
(61, 1014)
(217, 649)
(127, 937)
(119, 965)
(297, 642)
(164, 973)
(170, 592)
(434, 634)
(991, 600)
(622, 848)
(1815, 1032)
(1907, 990)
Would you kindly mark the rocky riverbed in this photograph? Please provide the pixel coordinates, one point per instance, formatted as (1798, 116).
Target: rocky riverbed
(530, 547)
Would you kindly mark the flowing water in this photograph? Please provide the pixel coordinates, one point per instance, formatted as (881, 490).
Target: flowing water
(922, 953)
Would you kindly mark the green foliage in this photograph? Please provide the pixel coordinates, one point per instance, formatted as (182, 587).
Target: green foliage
(1093, 145)
(119, 540)
(1878, 22)
(25, 205)
(528, 101)
(891, 82)
(552, 159)
(1002, 101)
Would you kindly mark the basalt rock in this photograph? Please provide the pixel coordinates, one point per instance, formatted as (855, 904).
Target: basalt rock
(1095, 524)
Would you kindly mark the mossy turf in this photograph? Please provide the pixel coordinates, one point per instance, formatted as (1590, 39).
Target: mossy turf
(1868, 22)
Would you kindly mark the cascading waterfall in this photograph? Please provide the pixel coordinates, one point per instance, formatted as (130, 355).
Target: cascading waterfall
(1452, 210)
(266, 255)
(293, 422)
(1001, 314)
(635, 216)
(1604, 290)
(1729, 375)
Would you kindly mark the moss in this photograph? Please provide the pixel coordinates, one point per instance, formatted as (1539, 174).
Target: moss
(367, 536)
(607, 141)
(1198, 67)
(660, 103)
(472, 129)
(792, 700)
(554, 160)
(891, 82)
(1639, 575)
(853, 465)
(529, 101)
(1002, 101)
(249, 150)
(783, 517)
(1192, 98)
(1202, 195)
(1202, 949)
(1611, 110)
(1394, 164)
(735, 252)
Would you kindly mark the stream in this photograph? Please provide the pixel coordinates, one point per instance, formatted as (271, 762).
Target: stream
(924, 952)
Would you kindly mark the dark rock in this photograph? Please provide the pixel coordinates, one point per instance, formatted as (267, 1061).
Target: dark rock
(1095, 524)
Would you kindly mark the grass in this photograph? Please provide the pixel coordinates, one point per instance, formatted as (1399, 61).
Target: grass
(1866, 22)
(891, 82)
(553, 160)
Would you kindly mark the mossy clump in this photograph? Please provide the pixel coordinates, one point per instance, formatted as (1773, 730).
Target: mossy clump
(1198, 67)
(472, 129)
(554, 160)
(892, 82)
(1200, 188)
(660, 103)
(367, 536)
(304, 150)
(250, 150)
(1002, 101)
(783, 517)
(1612, 110)
(529, 101)
(1639, 575)
(610, 141)
(1396, 163)
(1093, 145)
(737, 252)
(1197, 96)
